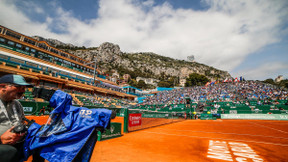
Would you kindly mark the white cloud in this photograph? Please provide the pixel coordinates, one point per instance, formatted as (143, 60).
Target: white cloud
(15, 19)
(266, 69)
(32, 7)
(221, 36)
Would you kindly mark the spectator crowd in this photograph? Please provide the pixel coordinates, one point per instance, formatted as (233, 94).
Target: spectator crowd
(235, 92)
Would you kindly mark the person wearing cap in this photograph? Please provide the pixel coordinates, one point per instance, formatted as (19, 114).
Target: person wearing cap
(12, 87)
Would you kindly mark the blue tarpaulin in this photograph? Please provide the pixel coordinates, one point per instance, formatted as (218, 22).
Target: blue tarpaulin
(69, 130)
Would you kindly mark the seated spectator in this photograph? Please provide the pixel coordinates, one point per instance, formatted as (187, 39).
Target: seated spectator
(222, 111)
(276, 102)
(247, 103)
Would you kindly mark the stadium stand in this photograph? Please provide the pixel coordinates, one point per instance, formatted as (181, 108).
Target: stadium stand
(242, 98)
(45, 65)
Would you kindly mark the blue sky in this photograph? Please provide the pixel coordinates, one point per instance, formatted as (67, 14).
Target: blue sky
(247, 38)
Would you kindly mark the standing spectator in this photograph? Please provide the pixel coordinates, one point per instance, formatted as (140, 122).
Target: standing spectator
(42, 110)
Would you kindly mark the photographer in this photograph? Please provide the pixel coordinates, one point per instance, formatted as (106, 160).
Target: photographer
(12, 87)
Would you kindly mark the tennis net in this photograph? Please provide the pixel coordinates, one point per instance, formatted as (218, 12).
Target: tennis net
(138, 119)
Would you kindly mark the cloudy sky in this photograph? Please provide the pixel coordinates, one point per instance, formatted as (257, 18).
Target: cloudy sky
(247, 38)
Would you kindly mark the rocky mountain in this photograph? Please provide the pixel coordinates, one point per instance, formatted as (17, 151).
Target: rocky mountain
(110, 59)
(54, 42)
(150, 65)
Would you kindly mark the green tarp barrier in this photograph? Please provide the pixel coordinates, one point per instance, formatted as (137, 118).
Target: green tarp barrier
(207, 117)
(33, 108)
(113, 132)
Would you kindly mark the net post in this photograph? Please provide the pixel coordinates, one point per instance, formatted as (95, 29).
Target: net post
(126, 116)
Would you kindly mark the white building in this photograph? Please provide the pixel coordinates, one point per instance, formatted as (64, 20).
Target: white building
(182, 82)
(279, 78)
(148, 80)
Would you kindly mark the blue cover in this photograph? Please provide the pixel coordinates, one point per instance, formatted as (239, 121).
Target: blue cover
(69, 130)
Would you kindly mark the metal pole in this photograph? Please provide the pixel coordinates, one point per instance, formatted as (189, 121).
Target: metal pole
(94, 71)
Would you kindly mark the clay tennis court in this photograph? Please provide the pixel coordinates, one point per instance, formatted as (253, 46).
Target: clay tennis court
(195, 140)
(199, 140)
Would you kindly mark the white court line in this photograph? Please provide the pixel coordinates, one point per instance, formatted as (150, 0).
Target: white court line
(260, 142)
(270, 127)
(227, 133)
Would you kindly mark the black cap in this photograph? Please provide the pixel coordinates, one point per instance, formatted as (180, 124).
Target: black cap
(14, 79)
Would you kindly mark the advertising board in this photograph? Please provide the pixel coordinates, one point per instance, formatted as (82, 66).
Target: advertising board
(135, 119)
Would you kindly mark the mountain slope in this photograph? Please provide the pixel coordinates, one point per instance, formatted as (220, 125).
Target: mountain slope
(110, 59)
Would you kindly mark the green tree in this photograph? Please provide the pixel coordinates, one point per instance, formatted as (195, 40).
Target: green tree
(195, 79)
(173, 81)
(164, 84)
(269, 81)
(163, 76)
(284, 83)
(141, 84)
(133, 83)
(150, 86)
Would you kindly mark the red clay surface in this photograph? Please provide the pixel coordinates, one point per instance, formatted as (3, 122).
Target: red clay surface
(39, 119)
(198, 140)
(190, 140)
